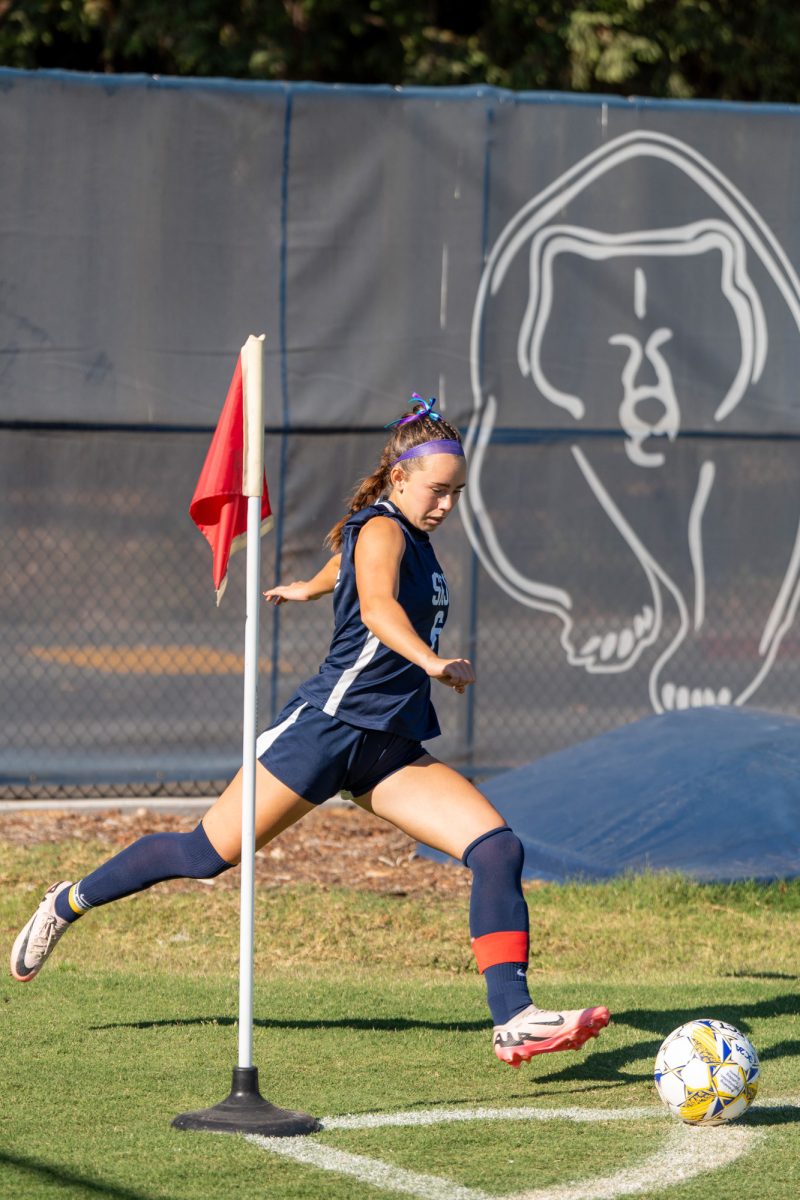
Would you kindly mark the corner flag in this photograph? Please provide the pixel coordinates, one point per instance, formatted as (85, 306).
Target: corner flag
(228, 477)
(231, 505)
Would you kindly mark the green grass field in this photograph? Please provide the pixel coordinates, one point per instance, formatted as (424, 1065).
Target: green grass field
(368, 1004)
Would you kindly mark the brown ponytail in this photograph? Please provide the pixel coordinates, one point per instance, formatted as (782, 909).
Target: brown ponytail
(402, 438)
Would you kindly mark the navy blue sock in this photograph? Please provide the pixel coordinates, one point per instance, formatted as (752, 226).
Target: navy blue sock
(152, 859)
(498, 920)
(507, 990)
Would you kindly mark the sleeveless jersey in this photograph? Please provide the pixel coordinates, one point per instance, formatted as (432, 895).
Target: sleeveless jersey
(362, 682)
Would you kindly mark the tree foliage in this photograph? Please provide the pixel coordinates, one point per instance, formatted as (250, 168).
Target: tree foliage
(717, 49)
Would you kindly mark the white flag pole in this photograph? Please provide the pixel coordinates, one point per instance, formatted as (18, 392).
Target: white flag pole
(245, 1110)
(252, 486)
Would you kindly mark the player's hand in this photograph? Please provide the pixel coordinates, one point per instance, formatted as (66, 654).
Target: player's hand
(287, 591)
(456, 673)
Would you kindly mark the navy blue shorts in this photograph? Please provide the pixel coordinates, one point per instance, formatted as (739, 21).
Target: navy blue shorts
(318, 756)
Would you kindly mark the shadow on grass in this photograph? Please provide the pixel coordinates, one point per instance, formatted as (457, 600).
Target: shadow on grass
(758, 975)
(771, 1114)
(389, 1024)
(55, 1174)
(604, 1065)
(780, 1050)
(596, 1065)
(659, 1021)
(662, 1021)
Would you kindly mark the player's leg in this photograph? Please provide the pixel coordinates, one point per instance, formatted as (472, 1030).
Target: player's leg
(277, 807)
(434, 804)
(211, 848)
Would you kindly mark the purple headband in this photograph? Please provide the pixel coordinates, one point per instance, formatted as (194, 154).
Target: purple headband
(437, 446)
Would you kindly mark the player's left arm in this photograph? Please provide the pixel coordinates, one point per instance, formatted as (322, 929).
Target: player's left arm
(378, 554)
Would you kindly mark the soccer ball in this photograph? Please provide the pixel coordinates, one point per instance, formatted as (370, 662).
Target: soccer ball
(707, 1072)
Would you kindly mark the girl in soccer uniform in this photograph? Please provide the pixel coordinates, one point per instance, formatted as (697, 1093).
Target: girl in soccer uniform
(357, 726)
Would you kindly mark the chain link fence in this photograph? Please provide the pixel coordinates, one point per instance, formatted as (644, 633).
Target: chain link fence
(121, 677)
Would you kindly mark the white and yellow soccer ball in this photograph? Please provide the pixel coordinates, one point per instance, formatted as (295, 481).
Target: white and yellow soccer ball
(706, 1072)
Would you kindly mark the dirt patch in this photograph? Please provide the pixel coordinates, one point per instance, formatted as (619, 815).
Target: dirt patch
(331, 847)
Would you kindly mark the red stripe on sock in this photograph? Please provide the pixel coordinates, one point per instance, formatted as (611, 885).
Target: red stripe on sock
(494, 948)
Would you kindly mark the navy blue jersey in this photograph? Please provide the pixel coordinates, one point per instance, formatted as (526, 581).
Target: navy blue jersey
(363, 682)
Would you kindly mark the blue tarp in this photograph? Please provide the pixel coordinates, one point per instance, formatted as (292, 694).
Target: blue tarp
(713, 793)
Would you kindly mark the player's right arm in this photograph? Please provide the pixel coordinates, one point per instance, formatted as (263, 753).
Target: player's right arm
(378, 554)
(307, 589)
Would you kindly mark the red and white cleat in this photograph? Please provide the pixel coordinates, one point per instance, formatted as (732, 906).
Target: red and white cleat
(536, 1031)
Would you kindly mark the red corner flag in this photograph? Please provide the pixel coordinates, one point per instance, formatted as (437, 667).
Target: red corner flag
(219, 504)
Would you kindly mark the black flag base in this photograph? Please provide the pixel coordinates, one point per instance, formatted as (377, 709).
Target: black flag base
(246, 1111)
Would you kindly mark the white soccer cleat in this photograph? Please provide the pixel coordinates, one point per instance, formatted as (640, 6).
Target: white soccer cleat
(37, 940)
(537, 1031)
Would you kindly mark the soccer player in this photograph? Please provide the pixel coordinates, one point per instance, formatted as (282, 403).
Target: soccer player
(358, 726)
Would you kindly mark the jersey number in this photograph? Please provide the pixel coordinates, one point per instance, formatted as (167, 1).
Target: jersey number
(436, 628)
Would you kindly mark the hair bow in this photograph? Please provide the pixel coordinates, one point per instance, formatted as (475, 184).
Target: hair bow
(427, 411)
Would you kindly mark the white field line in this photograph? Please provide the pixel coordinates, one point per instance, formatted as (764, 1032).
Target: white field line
(437, 1116)
(372, 1171)
(685, 1154)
